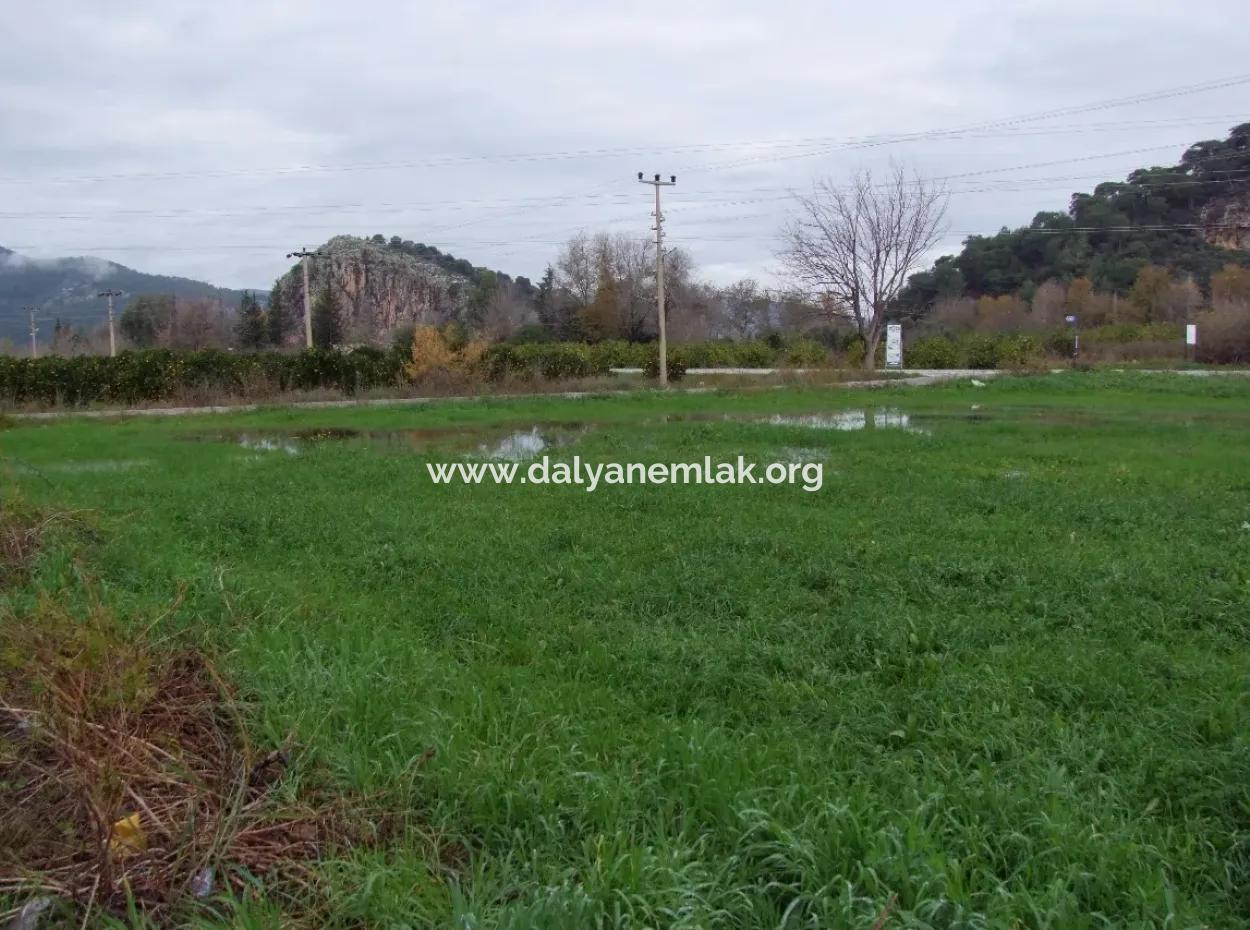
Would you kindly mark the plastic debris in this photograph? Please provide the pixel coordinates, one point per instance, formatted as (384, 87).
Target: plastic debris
(28, 917)
(202, 883)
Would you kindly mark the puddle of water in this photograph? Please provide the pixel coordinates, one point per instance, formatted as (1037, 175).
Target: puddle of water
(490, 441)
(850, 421)
(515, 446)
(799, 454)
(268, 444)
(526, 444)
(90, 466)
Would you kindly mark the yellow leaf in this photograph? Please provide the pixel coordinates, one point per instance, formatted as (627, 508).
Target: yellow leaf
(127, 836)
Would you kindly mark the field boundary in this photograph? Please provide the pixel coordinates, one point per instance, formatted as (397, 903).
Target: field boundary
(914, 378)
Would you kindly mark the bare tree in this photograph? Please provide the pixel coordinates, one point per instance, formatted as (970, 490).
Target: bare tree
(852, 249)
(577, 269)
(606, 283)
(1048, 304)
(197, 323)
(746, 309)
(630, 263)
(505, 313)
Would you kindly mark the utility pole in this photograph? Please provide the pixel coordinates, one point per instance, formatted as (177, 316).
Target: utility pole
(34, 332)
(110, 294)
(304, 255)
(659, 270)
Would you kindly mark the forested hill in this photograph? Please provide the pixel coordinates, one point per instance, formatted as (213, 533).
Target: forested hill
(68, 288)
(1204, 201)
(459, 267)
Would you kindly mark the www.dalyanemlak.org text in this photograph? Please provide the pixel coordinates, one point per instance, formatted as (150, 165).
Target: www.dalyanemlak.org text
(809, 476)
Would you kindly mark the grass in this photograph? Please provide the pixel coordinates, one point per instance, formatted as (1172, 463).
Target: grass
(993, 674)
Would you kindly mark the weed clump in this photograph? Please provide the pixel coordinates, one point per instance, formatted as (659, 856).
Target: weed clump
(22, 530)
(127, 778)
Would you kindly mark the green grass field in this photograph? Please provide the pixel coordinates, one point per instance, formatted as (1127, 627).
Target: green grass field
(996, 669)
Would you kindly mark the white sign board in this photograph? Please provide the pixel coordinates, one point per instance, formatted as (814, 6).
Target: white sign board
(893, 346)
(1191, 334)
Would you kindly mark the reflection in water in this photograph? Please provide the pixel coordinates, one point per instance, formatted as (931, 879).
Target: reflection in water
(511, 444)
(526, 444)
(850, 420)
(515, 446)
(528, 440)
(268, 444)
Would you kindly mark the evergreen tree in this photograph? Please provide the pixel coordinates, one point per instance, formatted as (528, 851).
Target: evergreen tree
(145, 318)
(480, 297)
(252, 329)
(327, 319)
(545, 300)
(278, 320)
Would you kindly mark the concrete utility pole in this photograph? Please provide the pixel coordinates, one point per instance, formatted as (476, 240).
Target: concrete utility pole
(34, 332)
(659, 270)
(110, 294)
(304, 255)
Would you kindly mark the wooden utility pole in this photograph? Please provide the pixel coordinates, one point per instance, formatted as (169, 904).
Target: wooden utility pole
(304, 255)
(110, 294)
(34, 332)
(659, 271)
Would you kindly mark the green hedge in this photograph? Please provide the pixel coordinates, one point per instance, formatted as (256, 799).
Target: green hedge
(1132, 332)
(571, 359)
(676, 367)
(931, 352)
(980, 350)
(158, 374)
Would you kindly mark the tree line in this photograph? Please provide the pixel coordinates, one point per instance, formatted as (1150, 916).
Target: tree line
(853, 258)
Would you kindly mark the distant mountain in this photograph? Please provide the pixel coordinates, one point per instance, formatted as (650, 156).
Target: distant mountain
(1198, 211)
(67, 287)
(383, 285)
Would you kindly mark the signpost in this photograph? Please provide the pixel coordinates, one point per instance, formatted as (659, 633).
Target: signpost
(1076, 335)
(893, 345)
(1191, 338)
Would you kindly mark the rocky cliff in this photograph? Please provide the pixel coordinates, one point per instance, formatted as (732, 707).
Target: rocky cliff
(1227, 222)
(380, 288)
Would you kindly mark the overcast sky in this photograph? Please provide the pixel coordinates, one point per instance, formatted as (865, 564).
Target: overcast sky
(207, 140)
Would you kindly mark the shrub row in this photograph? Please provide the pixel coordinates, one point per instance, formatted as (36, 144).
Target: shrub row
(1022, 350)
(575, 360)
(1018, 350)
(159, 374)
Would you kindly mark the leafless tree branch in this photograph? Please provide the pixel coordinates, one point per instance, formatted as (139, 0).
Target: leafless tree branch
(851, 249)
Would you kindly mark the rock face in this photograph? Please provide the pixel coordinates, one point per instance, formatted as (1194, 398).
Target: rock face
(1227, 223)
(379, 289)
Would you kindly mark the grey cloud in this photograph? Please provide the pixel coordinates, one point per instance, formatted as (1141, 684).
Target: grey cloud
(221, 96)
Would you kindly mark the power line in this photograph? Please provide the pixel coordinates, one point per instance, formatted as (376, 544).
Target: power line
(1014, 121)
(575, 200)
(336, 210)
(511, 241)
(885, 139)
